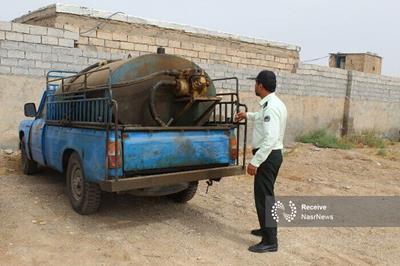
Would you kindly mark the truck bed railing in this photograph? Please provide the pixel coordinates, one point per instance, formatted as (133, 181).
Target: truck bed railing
(76, 109)
(225, 111)
(95, 111)
(54, 77)
(71, 107)
(63, 79)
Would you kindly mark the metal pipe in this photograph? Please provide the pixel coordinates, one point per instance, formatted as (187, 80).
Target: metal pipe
(245, 137)
(115, 104)
(77, 74)
(172, 73)
(154, 89)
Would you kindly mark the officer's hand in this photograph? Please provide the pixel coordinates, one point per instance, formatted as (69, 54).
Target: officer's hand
(240, 116)
(251, 169)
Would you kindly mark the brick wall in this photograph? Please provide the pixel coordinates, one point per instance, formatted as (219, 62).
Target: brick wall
(313, 80)
(32, 50)
(315, 96)
(371, 87)
(103, 35)
(375, 104)
(119, 45)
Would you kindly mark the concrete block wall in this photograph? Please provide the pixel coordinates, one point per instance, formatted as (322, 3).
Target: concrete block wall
(106, 35)
(375, 104)
(33, 50)
(202, 51)
(122, 34)
(15, 90)
(315, 96)
(370, 87)
(321, 94)
(313, 80)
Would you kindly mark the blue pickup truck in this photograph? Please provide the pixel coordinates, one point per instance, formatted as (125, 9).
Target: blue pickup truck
(78, 132)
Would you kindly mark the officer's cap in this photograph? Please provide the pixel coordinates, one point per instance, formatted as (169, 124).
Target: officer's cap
(267, 79)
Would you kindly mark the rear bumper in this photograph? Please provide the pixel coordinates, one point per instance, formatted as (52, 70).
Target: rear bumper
(131, 183)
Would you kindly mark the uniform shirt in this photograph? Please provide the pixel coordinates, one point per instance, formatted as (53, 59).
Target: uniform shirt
(269, 127)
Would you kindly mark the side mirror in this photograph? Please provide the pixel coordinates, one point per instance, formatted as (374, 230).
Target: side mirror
(30, 110)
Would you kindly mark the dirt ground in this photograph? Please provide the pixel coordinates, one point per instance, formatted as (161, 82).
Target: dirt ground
(38, 226)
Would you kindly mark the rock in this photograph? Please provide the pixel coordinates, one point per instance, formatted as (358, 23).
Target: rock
(347, 187)
(316, 149)
(289, 151)
(8, 151)
(349, 157)
(291, 146)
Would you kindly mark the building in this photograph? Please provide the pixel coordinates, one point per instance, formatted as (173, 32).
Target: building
(363, 62)
(103, 33)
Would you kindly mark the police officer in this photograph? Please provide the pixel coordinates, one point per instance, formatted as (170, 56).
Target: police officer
(269, 130)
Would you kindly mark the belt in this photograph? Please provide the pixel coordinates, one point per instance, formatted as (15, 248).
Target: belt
(253, 151)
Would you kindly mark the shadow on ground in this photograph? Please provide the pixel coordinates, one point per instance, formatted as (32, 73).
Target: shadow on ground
(127, 212)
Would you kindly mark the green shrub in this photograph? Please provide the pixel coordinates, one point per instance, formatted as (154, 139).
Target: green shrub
(382, 152)
(366, 138)
(323, 139)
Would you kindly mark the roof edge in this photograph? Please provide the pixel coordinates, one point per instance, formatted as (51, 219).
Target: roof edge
(365, 53)
(50, 9)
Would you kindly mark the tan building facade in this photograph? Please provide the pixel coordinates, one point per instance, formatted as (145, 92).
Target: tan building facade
(363, 62)
(103, 33)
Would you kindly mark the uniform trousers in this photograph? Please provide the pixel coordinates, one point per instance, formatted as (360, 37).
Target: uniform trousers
(264, 182)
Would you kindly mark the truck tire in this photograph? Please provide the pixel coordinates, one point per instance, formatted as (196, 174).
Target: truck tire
(29, 167)
(84, 196)
(185, 195)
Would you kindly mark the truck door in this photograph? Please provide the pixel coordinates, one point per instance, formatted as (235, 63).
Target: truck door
(37, 133)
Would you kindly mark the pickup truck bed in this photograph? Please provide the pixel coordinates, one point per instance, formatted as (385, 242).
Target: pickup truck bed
(77, 136)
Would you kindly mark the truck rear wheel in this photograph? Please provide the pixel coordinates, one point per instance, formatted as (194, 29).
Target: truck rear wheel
(84, 196)
(29, 167)
(185, 195)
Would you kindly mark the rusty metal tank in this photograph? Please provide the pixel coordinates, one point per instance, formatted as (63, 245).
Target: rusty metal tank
(151, 90)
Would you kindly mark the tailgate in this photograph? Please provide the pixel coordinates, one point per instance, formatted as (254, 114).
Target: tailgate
(172, 149)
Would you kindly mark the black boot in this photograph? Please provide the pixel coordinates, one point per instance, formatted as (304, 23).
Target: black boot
(256, 232)
(262, 247)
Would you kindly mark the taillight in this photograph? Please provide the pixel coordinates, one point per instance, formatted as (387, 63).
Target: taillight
(114, 156)
(233, 147)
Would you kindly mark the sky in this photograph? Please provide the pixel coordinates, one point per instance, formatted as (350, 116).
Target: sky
(319, 27)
